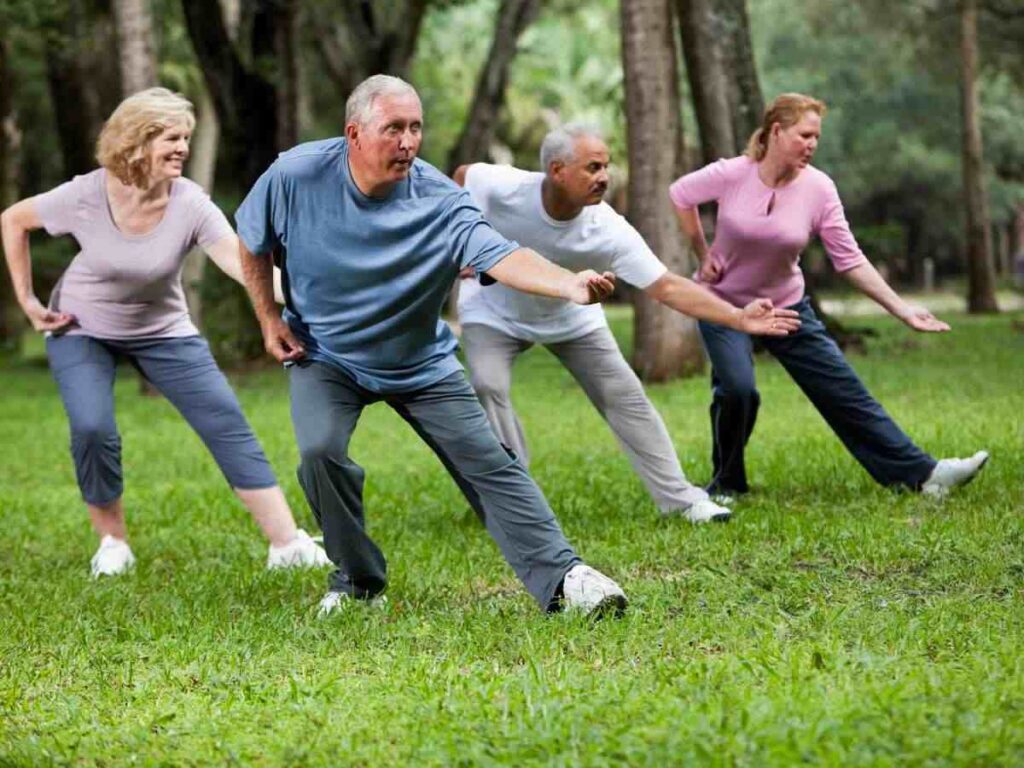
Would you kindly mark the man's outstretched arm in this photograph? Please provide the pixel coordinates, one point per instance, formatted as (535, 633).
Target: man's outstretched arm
(528, 271)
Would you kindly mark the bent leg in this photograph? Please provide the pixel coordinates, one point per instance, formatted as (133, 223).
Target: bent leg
(326, 405)
(184, 371)
(596, 362)
(448, 417)
(734, 404)
(84, 371)
(818, 366)
(489, 356)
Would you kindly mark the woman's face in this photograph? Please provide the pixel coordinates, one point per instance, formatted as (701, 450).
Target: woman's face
(795, 145)
(168, 153)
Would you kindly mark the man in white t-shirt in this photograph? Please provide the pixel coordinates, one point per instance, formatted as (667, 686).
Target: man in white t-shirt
(560, 214)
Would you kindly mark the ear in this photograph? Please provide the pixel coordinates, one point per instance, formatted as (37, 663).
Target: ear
(352, 133)
(555, 168)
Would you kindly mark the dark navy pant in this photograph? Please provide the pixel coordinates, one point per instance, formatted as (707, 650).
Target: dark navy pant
(326, 404)
(183, 371)
(814, 361)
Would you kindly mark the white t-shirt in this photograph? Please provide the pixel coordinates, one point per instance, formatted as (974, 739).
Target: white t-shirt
(598, 238)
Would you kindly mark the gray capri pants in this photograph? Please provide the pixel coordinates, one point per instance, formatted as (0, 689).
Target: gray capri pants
(183, 370)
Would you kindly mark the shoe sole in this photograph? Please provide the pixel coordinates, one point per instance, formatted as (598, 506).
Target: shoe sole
(944, 493)
(613, 606)
(721, 518)
(975, 473)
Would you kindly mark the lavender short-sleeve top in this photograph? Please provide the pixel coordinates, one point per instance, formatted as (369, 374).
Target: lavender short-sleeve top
(123, 286)
(761, 231)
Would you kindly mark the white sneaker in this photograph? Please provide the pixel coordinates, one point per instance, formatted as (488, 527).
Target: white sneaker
(949, 473)
(300, 552)
(591, 592)
(707, 511)
(112, 558)
(334, 600)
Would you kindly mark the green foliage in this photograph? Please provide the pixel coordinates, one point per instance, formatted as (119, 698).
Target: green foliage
(831, 623)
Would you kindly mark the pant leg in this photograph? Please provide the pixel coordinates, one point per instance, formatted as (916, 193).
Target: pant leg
(489, 356)
(734, 404)
(449, 418)
(596, 362)
(84, 371)
(183, 370)
(326, 405)
(818, 366)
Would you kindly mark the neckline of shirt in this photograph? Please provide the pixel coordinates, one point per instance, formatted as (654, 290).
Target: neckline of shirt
(538, 198)
(175, 186)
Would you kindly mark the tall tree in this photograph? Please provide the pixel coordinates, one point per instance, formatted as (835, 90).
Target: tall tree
(202, 165)
(11, 325)
(359, 38)
(249, 81)
(514, 16)
(74, 107)
(722, 74)
(981, 289)
(135, 47)
(666, 343)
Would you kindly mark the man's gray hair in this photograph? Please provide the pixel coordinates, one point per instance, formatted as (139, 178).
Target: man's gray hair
(359, 107)
(560, 144)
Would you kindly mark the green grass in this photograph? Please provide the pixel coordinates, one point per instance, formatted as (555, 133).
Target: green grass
(833, 622)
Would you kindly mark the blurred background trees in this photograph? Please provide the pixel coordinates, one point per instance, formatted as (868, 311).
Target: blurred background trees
(925, 98)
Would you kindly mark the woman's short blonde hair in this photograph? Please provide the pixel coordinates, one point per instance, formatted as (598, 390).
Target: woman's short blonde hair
(123, 145)
(786, 109)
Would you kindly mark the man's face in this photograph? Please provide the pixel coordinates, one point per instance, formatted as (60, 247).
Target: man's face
(584, 179)
(390, 140)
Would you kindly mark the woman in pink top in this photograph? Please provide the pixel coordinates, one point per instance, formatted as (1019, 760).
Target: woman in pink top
(134, 220)
(771, 201)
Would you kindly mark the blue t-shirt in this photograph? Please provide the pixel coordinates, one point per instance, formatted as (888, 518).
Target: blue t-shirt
(367, 277)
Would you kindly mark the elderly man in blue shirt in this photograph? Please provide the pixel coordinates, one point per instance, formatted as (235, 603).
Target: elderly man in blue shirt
(372, 238)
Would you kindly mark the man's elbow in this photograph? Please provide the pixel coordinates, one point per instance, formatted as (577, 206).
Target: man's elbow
(459, 177)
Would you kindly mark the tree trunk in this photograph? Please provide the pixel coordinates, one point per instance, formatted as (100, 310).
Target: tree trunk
(11, 323)
(202, 163)
(666, 343)
(981, 288)
(246, 101)
(722, 73)
(202, 166)
(711, 83)
(359, 38)
(136, 49)
(514, 17)
(74, 111)
(747, 101)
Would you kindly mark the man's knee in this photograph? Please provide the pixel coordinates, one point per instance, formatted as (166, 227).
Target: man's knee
(325, 447)
(490, 386)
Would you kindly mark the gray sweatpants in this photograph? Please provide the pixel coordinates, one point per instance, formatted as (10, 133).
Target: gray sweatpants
(598, 365)
(326, 404)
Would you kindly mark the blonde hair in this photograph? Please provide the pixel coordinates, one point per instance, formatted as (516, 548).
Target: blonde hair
(123, 145)
(786, 109)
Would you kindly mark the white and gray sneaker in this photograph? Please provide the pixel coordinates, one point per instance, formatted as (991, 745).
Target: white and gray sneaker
(950, 473)
(114, 557)
(707, 511)
(590, 592)
(300, 552)
(332, 601)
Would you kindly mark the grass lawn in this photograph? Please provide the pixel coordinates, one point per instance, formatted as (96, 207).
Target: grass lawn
(832, 622)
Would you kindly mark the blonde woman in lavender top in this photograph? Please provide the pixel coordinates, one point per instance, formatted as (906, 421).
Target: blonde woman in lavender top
(771, 201)
(134, 219)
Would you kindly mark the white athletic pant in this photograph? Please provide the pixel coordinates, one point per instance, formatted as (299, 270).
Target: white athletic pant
(596, 362)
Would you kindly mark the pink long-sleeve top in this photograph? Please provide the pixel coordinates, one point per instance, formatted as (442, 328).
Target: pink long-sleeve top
(761, 231)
